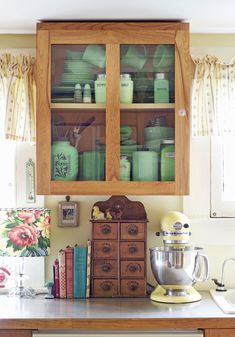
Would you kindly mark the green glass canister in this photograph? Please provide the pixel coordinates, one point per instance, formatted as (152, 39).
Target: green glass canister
(126, 88)
(100, 88)
(167, 165)
(161, 88)
(64, 161)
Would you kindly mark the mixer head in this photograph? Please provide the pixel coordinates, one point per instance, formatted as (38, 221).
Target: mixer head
(175, 229)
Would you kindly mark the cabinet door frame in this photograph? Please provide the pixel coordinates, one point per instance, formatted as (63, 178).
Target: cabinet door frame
(113, 35)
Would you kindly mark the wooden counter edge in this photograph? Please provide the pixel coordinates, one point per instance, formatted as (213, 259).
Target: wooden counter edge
(119, 323)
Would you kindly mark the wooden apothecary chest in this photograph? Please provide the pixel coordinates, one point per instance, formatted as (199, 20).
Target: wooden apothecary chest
(119, 249)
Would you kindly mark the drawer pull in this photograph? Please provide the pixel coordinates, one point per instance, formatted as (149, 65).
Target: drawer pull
(132, 250)
(106, 230)
(106, 249)
(133, 286)
(133, 230)
(132, 268)
(106, 286)
(106, 267)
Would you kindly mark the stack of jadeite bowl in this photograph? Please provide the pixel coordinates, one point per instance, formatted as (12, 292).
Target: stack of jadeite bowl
(127, 143)
(154, 135)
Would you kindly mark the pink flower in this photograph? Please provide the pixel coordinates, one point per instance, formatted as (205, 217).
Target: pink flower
(23, 235)
(38, 214)
(27, 216)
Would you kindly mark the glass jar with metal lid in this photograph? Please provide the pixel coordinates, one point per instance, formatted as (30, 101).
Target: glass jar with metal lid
(167, 163)
(100, 88)
(126, 88)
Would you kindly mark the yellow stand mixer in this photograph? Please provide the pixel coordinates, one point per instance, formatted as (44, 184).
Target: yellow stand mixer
(177, 266)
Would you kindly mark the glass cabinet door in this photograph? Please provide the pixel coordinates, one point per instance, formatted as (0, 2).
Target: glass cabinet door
(78, 97)
(147, 117)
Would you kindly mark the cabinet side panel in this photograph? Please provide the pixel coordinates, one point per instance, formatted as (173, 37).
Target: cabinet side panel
(43, 137)
(182, 85)
(113, 112)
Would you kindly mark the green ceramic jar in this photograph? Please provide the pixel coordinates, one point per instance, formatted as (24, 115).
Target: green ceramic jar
(64, 161)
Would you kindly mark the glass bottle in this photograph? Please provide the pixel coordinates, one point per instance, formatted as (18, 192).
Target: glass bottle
(100, 88)
(126, 88)
(161, 88)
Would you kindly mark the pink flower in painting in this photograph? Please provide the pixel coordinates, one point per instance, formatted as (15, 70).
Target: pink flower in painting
(27, 216)
(23, 235)
(38, 214)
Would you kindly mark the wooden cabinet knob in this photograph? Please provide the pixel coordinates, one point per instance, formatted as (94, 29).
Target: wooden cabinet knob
(106, 267)
(106, 249)
(132, 249)
(132, 268)
(106, 286)
(133, 286)
(132, 230)
(106, 230)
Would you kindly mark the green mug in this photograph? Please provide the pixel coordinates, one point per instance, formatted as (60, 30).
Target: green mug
(95, 54)
(135, 57)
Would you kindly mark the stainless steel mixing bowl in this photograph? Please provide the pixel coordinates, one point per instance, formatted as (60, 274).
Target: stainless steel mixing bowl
(176, 269)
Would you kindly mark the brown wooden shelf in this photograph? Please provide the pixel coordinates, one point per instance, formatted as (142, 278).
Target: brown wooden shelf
(94, 106)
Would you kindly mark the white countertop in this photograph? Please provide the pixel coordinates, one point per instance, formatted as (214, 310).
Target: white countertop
(110, 308)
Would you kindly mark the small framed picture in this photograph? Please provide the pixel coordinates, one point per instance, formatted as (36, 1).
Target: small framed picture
(68, 213)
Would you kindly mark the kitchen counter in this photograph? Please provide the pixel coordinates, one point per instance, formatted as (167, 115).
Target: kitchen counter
(111, 313)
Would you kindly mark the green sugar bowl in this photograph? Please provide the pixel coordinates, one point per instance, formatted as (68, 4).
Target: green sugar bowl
(64, 161)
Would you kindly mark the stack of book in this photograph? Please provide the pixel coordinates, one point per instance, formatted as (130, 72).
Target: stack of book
(71, 271)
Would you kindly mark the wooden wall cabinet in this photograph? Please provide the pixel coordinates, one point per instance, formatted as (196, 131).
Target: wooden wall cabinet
(60, 66)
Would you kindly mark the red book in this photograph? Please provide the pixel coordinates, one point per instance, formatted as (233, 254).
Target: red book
(56, 278)
(62, 275)
(69, 271)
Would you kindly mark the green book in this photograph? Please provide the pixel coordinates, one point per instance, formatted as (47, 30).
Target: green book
(80, 271)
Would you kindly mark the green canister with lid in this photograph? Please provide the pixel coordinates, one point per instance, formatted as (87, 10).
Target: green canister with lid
(161, 88)
(100, 88)
(126, 88)
(167, 164)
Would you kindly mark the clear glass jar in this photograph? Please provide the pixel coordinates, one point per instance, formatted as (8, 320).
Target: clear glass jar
(126, 88)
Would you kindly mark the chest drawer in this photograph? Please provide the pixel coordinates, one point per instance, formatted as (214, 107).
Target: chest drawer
(132, 231)
(105, 230)
(132, 250)
(133, 287)
(132, 268)
(105, 249)
(105, 288)
(105, 268)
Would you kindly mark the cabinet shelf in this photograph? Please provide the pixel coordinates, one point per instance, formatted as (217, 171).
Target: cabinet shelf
(133, 106)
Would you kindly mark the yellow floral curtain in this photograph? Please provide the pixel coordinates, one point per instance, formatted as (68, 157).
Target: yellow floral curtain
(18, 96)
(213, 98)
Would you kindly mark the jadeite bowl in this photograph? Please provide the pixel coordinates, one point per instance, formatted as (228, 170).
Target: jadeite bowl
(158, 132)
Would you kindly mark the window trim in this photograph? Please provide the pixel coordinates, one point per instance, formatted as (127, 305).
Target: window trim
(219, 208)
